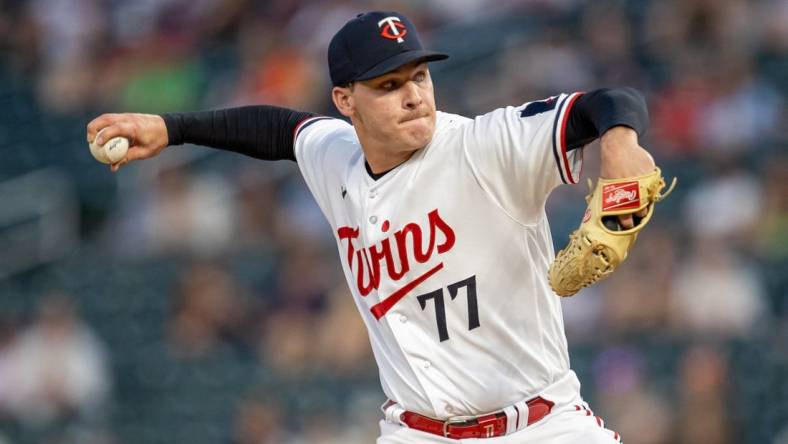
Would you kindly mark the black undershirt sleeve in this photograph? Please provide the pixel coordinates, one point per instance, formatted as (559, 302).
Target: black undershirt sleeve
(262, 131)
(597, 111)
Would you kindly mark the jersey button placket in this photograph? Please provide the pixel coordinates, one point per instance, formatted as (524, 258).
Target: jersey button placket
(399, 323)
(366, 208)
(372, 194)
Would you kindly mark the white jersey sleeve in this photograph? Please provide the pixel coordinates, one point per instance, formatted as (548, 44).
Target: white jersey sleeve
(519, 155)
(323, 147)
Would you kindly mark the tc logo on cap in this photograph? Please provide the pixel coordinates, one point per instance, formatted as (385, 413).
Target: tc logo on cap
(392, 28)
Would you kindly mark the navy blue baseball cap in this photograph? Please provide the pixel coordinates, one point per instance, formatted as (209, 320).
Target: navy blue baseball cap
(372, 44)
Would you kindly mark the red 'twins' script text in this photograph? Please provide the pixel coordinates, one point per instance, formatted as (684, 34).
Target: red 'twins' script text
(365, 263)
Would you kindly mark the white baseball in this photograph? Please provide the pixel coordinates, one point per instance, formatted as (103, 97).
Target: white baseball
(114, 150)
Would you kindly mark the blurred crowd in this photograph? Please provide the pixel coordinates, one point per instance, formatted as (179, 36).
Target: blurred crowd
(204, 302)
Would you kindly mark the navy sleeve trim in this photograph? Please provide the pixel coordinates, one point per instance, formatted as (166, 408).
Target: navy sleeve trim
(306, 122)
(563, 112)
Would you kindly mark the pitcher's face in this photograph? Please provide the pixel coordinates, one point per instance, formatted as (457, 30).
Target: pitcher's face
(395, 110)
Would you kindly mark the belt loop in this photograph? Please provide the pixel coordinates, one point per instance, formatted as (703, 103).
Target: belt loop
(522, 417)
(511, 419)
(516, 417)
(393, 412)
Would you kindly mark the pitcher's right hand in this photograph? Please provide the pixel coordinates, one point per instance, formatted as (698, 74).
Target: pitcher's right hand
(147, 134)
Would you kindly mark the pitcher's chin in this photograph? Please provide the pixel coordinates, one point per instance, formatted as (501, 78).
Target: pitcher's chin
(419, 134)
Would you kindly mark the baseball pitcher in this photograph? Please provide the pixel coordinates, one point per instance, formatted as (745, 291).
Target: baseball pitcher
(440, 225)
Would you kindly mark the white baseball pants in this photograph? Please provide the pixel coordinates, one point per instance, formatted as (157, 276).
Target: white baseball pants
(571, 421)
(559, 427)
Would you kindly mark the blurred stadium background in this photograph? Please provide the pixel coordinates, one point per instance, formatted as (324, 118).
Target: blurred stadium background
(197, 298)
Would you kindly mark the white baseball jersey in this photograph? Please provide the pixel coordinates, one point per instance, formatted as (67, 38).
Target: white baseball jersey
(447, 254)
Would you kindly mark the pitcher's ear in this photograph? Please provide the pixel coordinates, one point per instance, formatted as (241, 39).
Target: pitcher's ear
(343, 99)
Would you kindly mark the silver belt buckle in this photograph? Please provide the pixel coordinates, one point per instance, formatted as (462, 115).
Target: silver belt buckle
(451, 421)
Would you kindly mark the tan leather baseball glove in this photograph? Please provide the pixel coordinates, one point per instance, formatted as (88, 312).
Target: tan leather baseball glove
(600, 244)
